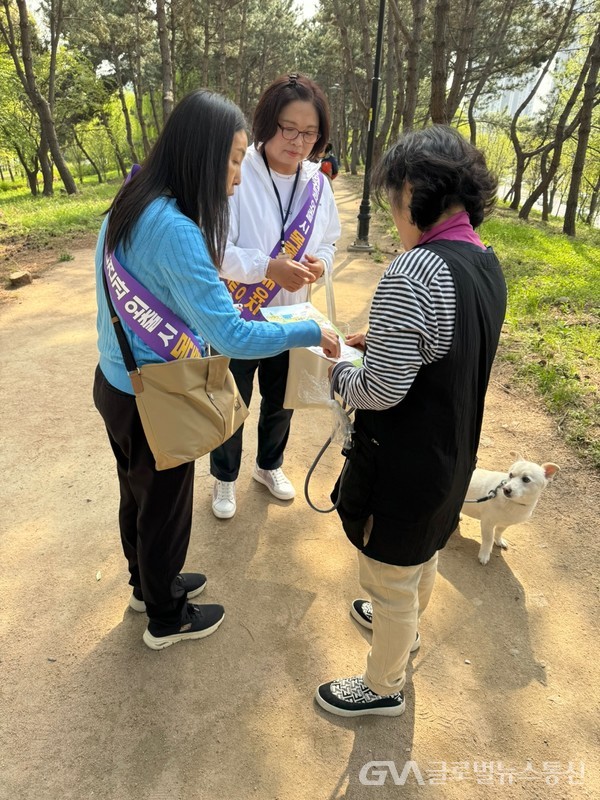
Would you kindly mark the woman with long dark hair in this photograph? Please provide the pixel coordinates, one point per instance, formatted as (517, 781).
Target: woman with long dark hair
(283, 229)
(167, 226)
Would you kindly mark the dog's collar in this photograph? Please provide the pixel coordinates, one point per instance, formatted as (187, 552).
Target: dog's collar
(491, 494)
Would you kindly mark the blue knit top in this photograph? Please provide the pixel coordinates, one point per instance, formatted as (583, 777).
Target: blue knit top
(169, 257)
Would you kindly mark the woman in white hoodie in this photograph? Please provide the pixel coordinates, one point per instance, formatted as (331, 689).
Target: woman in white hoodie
(283, 229)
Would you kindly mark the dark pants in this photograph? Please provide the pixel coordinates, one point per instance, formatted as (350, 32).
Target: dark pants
(155, 511)
(274, 421)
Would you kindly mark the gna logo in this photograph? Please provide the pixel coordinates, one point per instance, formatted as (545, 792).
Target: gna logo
(376, 773)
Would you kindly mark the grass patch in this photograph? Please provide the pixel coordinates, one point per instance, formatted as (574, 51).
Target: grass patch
(553, 319)
(35, 222)
(377, 255)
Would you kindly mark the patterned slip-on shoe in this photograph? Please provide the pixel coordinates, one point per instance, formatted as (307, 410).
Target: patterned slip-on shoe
(350, 697)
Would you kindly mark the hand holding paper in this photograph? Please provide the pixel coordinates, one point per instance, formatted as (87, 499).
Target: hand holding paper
(330, 342)
(301, 311)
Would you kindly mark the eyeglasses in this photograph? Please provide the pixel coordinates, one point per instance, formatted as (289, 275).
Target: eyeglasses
(291, 133)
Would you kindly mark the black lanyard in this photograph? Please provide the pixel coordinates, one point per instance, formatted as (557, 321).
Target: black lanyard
(284, 217)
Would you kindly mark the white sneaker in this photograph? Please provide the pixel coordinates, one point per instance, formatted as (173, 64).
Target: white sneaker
(275, 481)
(223, 504)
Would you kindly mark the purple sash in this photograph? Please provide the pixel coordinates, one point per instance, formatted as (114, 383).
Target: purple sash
(161, 329)
(252, 296)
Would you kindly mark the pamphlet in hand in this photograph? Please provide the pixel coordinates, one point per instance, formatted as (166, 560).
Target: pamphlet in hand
(303, 311)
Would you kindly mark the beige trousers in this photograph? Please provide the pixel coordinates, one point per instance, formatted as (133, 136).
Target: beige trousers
(399, 596)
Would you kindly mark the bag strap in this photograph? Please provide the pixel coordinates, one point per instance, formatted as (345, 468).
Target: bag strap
(130, 365)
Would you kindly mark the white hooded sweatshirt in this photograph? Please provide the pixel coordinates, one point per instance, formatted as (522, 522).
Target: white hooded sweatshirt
(255, 224)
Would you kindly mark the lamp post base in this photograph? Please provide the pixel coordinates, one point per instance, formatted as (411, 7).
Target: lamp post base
(361, 246)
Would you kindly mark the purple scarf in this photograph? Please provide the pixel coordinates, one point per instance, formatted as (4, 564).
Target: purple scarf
(456, 228)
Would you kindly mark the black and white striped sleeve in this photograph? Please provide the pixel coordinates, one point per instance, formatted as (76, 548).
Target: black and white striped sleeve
(411, 323)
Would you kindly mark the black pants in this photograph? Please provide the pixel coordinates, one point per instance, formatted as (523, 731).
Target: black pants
(274, 421)
(155, 511)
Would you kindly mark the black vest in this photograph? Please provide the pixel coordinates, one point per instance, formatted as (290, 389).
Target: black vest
(410, 465)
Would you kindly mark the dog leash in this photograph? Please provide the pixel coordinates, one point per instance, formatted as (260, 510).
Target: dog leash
(490, 495)
(345, 452)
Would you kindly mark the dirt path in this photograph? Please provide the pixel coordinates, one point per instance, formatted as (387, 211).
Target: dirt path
(508, 672)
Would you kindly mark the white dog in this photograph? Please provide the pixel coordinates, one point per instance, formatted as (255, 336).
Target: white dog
(512, 497)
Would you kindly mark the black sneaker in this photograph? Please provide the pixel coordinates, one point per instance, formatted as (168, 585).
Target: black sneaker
(198, 622)
(351, 697)
(193, 582)
(362, 611)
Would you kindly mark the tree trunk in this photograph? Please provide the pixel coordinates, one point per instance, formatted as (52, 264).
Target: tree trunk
(55, 13)
(344, 131)
(355, 151)
(241, 58)
(520, 167)
(114, 143)
(24, 68)
(584, 135)
(471, 110)
(222, 48)
(439, 71)
(363, 16)
(589, 220)
(552, 197)
(563, 131)
(79, 144)
(46, 167)
(206, 54)
(398, 52)
(172, 21)
(357, 94)
(123, 100)
(54, 147)
(31, 174)
(168, 93)
(520, 156)
(138, 95)
(412, 65)
(464, 48)
(390, 75)
(546, 206)
(157, 124)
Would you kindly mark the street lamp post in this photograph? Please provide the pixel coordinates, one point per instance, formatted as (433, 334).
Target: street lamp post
(364, 215)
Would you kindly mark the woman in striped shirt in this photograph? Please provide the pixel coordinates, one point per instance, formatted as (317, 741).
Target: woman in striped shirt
(434, 327)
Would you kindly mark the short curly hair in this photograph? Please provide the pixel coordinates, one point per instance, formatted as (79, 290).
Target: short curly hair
(443, 169)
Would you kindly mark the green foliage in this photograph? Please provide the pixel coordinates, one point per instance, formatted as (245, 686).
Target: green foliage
(36, 221)
(377, 255)
(553, 319)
